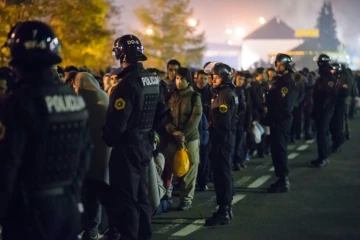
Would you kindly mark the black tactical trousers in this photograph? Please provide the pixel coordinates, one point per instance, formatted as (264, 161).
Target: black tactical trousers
(239, 154)
(130, 209)
(220, 157)
(279, 133)
(204, 166)
(307, 122)
(322, 122)
(346, 119)
(337, 126)
(54, 217)
(295, 132)
(95, 195)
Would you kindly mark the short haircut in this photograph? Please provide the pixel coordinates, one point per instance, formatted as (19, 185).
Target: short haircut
(201, 72)
(173, 62)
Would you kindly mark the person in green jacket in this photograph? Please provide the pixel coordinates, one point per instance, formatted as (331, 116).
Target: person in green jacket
(182, 126)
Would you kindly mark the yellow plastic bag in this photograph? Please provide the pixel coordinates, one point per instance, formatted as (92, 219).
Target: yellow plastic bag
(181, 162)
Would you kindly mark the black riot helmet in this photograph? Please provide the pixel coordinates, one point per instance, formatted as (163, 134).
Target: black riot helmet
(323, 60)
(285, 59)
(337, 67)
(224, 71)
(33, 44)
(128, 48)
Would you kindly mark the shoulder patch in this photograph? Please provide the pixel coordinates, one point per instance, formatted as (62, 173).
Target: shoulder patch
(223, 108)
(284, 91)
(2, 131)
(120, 104)
(331, 84)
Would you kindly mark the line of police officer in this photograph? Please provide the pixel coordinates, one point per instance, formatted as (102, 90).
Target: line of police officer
(45, 149)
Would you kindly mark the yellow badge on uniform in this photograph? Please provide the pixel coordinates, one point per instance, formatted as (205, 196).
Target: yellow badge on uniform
(120, 104)
(331, 84)
(2, 131)
(223, 108)
(345, 86)
(284, 91)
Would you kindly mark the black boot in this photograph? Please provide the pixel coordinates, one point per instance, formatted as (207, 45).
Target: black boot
(281, 185)
(221, 217)
(322, 163)
(90, 236)
(231, 215)
(112, 234)
(315, 162)
(236, 167)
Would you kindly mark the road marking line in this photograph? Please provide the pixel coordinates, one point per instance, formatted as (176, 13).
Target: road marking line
(262, 166)
(208, 202)
(237, 198)
(293, 155)
(303, 147)
(169, 227)
(291, 147)
(242, 180)
(190, 228)
(198, 224)
(271, 169)
(195, 225)
(260, 181)
(310, 141)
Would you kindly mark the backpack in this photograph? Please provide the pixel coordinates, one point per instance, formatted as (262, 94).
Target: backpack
(203, 129)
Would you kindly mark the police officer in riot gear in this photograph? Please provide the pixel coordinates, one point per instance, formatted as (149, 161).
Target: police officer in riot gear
(325, 94)
(222, 119)
(134, 107)
(44, 142)
(337, 120)
(280, 101)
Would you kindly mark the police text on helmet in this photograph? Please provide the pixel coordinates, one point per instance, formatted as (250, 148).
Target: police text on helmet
(133, 42)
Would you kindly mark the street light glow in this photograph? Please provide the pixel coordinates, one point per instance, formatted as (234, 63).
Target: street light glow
(192, 22)
(228, 31)
(149, 31)
(262, 20)
(240, 31)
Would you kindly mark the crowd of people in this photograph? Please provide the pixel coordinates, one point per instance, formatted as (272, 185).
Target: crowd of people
(85, 152)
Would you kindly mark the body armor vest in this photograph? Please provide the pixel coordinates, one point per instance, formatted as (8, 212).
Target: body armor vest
(149, 98)
(59, 139)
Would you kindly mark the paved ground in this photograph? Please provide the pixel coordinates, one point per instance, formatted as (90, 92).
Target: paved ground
(322, 203)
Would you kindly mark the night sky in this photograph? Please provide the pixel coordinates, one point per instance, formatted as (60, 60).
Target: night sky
(216, 16)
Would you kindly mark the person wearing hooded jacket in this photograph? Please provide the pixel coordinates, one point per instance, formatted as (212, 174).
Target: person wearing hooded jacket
(182, 126)
(157, 192)
(96, 185)
(223, 122)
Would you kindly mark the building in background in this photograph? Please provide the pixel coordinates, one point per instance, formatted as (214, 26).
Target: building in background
(229, 54)
(274, 36)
